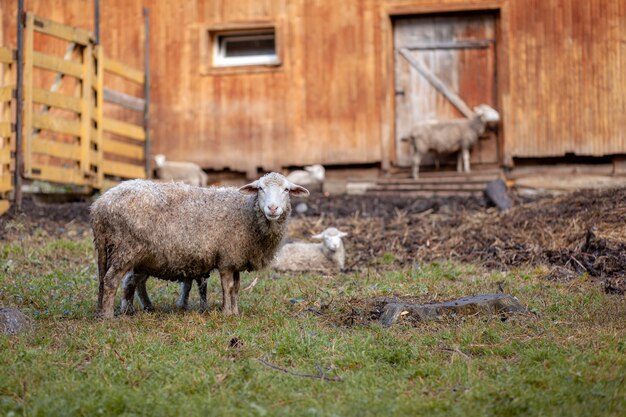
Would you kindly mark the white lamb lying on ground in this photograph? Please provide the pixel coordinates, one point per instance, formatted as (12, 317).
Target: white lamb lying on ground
(310, 175)
(328, 256)
(187, 172)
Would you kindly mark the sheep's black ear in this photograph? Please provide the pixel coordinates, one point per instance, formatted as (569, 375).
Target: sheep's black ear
(298, 191)
(251, 188)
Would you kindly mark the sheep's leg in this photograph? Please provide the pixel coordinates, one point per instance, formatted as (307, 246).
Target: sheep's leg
(459, 162)
(112, 281)
(142, 292)
(230, 288)
(417, 159)
(101, 249)
(234, 295)
(128, 296)
(466, 160)
(202, 290)
(183, 300)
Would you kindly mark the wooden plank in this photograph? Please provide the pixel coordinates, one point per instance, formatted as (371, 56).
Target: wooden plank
(56, 124)
(7, 55)
(7, 93)
(53, 63)
(57, 149)
(124, 170)
(123, 70)
(99, 115)
(57, 174)
(437, 83)
(123, 149)
(123, 129)
(6, 184)
(86, 107)
(466, 44)
(4, 206)
(5, 129)
(5, 156)
(27, 128)
(52, 99)
(61, 31)
(124, 100)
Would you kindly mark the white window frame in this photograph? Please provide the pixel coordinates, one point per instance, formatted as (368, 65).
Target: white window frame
(220, 60)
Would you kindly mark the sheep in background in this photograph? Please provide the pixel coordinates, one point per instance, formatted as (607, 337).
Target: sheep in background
(178, 232)
(187, 172)
(328, 256)
(311, 175)
(450, 136)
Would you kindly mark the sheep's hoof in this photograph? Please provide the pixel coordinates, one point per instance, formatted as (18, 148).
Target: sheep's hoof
(127, 309)
(149, 308)
(104, 315)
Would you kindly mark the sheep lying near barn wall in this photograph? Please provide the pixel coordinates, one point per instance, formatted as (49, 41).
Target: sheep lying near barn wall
(328, 256)
(310, 175)
(178, 232)
(450, 136)
(187, 172)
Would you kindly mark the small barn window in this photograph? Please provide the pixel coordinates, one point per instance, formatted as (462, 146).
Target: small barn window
(245, 48)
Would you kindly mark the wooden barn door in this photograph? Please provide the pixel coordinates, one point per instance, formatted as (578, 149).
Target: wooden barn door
(458, 52)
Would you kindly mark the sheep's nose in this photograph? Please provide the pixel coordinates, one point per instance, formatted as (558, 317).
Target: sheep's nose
(273, 209)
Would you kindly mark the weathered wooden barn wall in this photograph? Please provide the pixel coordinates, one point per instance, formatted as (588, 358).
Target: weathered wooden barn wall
(561, 82)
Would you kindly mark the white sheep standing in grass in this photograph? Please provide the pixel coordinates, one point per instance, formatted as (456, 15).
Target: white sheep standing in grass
(328, 256)
(448, 136)
(187, 172)
(310, 175)
(178, 232)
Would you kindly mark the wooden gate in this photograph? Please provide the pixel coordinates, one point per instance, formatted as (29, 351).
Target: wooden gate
(7, 89)
(65, 125)
(438, 53)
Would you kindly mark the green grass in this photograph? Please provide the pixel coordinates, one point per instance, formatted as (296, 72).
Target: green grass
(567, 360)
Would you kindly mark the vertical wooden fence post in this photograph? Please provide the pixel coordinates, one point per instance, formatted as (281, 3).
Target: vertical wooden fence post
(86, 106)
(99, 115)
(146, 91)
(27, 130)
(19, 99)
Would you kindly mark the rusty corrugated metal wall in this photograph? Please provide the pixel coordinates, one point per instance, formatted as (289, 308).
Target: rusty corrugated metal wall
(561, 82)
(567, 78)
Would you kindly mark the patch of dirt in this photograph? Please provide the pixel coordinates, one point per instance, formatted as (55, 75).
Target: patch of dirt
(583, 232)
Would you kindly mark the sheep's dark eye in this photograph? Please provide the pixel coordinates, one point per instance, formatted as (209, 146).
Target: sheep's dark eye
(286, 190)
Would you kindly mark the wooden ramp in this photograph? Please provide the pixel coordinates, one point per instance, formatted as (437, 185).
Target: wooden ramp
(429, 184)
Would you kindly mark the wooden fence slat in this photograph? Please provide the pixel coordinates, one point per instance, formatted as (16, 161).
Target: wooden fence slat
(5, 129)
(99, 114)
(4, 206)
(56, 100)
(5, 183)
(56, 124)
(5, 155)
(61, 31)
(7, 55)
(27, 128)
(58, 174)
(123, 129)
(124, 170)
(53, 63)
(57, 149)
(6, 93)
(86, 106)
(123, 149)
(124, 100)
(123, 70)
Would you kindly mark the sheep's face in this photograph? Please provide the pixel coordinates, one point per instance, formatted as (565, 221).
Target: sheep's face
(487, 113)
(332, 238)
(273, 191)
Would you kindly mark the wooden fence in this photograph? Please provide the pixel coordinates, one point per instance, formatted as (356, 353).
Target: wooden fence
(7, 89)
(67, 139)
